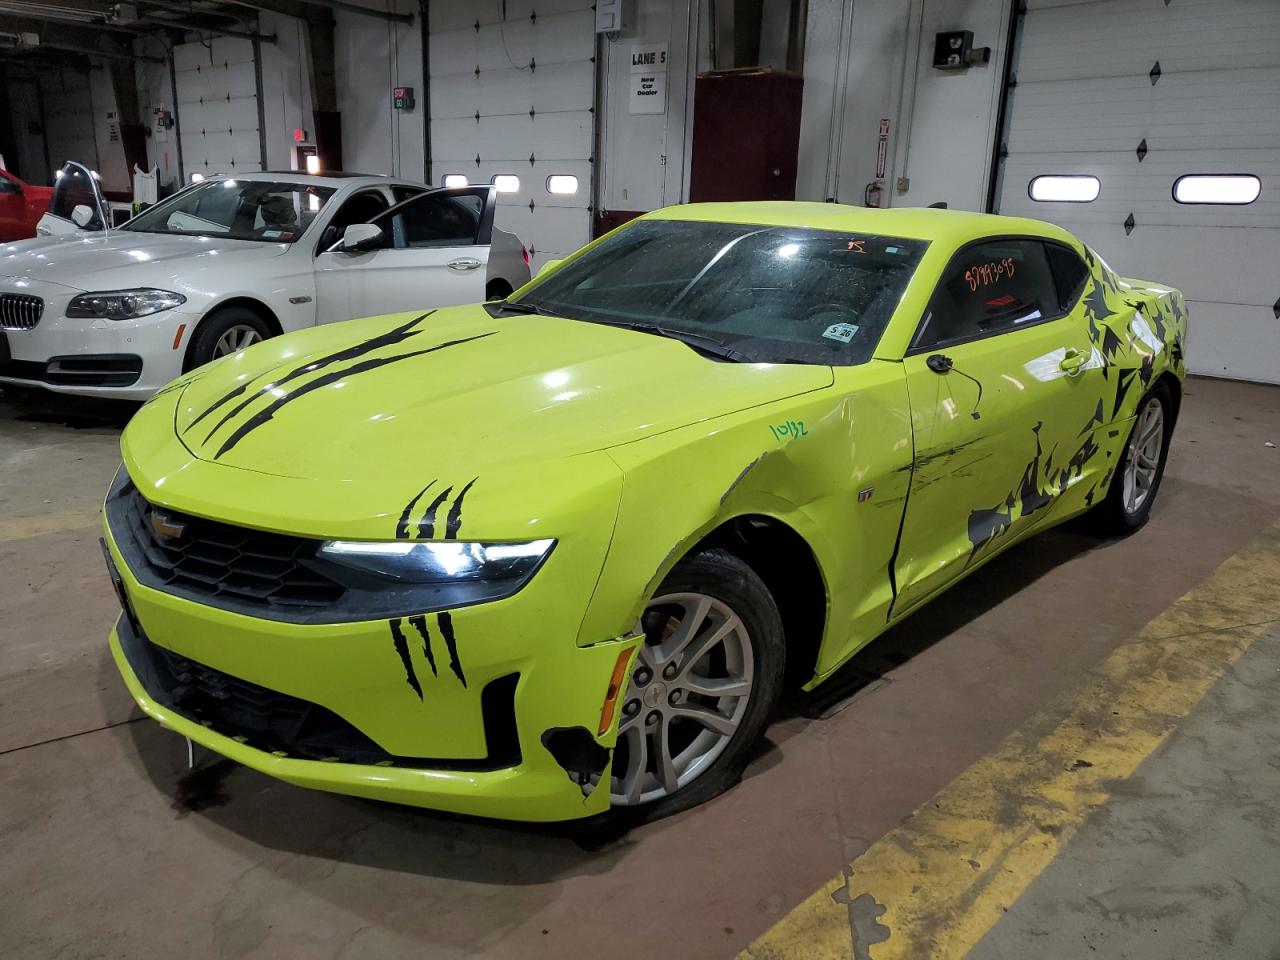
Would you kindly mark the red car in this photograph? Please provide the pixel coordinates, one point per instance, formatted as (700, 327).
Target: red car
(21, 205)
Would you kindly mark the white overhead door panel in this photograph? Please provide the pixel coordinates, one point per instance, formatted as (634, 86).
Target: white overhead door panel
(218, 106)
(1090, 99)
(68, 119)
(513, 97)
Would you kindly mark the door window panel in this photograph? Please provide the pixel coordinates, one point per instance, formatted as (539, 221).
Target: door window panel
(990, 288)
(1069, 274)
(361, 208)
(441, 220)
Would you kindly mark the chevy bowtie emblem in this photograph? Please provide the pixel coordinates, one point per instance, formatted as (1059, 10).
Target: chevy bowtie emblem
(165, 528)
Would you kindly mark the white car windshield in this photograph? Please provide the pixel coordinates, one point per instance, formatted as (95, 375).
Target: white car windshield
(265, 210)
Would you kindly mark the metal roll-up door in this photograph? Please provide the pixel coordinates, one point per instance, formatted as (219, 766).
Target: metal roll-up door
(512, 96)
(1139, 93)
(218, 106)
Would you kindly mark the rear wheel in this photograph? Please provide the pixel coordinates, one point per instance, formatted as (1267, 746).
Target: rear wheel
(703, 687)
(1138, 474)
(225, 332)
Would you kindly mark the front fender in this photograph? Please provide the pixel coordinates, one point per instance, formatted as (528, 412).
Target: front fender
(833, 466)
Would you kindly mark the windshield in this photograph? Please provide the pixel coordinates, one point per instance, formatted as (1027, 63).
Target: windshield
(769, 294)
(265, 210)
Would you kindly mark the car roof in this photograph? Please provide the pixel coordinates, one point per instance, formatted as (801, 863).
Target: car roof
(919, 223)
(328, 179)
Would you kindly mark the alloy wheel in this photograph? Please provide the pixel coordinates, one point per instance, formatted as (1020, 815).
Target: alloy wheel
(687, 696)
(1142, 466)
(235, 339)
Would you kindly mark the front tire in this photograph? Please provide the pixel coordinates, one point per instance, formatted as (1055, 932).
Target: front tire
(225, 332)
(703, 688)
(1141, 467)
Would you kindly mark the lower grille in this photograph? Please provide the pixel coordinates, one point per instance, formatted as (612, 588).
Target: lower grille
(18, 311)
(278, 723)
(85, 370)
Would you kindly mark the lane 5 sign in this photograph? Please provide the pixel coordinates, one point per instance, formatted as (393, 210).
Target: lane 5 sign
(649, 58)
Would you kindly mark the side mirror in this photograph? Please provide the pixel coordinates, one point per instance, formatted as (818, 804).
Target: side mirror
(81, 215)
(360, 236)
(549, 265)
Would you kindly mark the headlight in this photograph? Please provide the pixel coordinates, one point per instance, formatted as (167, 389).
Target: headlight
(439, 561)
(124, 304)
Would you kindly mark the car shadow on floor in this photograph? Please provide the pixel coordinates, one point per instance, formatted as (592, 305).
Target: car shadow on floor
(77, 413)
(1002, 578)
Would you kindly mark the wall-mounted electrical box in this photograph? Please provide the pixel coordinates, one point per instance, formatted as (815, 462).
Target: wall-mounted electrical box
(954, 50)
(611, 16)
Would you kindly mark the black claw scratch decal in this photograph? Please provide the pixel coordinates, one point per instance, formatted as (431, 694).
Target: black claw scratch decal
(454, 521)
(402, 649)
(427, 524)
(419, 623)
(445, 622)
(268, 413)
(402, 528)
(390, 338)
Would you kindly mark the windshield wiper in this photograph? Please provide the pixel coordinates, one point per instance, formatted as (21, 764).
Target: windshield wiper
(698, 341)
(518, 307)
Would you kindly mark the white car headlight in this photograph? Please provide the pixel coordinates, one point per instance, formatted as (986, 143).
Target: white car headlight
(124, 304)
(439, 561)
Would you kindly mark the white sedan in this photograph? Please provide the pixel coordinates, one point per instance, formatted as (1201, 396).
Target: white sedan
(231, 261)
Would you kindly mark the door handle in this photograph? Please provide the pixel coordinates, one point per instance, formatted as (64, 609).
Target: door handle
(1073, 361)
(464, 263)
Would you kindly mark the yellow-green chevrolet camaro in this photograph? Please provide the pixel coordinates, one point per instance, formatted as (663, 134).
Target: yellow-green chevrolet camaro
(548, 556)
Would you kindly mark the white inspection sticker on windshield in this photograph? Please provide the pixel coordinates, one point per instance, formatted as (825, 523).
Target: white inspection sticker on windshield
(844, 332)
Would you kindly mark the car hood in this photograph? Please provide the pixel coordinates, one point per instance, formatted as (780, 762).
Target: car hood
(123, 258)
(458, 390)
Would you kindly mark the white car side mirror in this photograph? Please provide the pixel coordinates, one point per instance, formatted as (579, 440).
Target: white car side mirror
(549, 265)
(81, 215)
(360, 236)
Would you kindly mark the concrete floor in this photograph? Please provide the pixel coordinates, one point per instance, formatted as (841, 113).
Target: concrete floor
(109, 848)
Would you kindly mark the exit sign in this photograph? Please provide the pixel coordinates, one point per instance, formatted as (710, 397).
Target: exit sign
(402, 98)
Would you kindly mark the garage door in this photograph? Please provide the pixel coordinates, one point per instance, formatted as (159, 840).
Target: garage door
(1139, 94)
(218, 106)
(511, 101)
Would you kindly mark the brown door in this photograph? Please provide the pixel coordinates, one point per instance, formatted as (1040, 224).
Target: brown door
(746, 136)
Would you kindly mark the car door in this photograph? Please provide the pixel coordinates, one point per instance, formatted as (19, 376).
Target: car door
(437, 256)
(1006, 398)
(75, 186)
(12, 209)
(339, 292)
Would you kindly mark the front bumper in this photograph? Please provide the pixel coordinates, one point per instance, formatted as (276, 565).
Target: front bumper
(517, 647)
(125, 359)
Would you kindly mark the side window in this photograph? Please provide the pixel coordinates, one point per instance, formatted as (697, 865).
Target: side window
(403, 193)
(1069, 274)
(8, 186)
(989, 288)
(441, 220)
(361, 208)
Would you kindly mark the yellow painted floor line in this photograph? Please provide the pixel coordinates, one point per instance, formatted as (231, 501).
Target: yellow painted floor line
(20, 528)
(934, 886)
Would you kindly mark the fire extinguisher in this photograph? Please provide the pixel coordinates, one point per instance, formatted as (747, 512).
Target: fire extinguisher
(871, 195)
